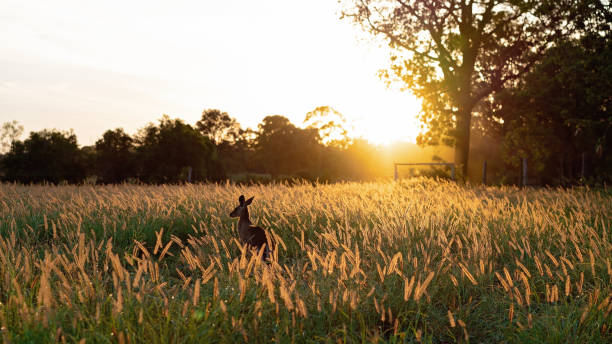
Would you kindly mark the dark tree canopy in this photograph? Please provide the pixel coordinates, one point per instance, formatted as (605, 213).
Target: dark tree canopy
(167, 150)
(115, 156)
(45, 156)
(162, 152)
(231, 140)
(562, 112)
(283, 148)
(455, 53)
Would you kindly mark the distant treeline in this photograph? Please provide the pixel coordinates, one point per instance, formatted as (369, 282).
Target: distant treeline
(214, 149)
(558, 118)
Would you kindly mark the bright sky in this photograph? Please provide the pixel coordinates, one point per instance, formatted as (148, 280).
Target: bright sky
(98, 65)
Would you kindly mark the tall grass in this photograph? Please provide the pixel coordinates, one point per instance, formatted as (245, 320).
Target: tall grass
(411, 261)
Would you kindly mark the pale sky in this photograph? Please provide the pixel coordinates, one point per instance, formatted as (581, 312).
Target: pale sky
(97, 65)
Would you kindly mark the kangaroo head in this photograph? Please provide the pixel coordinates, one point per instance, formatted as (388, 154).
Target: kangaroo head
(241, 207)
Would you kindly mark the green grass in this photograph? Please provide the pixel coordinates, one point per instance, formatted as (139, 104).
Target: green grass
(414, 261)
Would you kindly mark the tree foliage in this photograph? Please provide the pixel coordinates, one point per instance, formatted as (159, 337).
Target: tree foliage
(218, 126)
(231, 141)
(455, 53)
(9, 132)
(562, 110)
(162, 152)
(168, 149)
(115, 156)
(330, 124)
(283, 148)
(45, 156)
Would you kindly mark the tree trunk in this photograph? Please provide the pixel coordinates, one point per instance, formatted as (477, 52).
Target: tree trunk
(462, 140)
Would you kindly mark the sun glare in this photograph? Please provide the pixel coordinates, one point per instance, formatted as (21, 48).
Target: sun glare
(201, 70)
(395, 119)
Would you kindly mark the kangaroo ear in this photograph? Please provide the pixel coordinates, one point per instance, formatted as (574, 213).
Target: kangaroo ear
(241, 199)
(248, 202)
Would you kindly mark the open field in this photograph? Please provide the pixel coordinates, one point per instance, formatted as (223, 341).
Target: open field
(414, 261)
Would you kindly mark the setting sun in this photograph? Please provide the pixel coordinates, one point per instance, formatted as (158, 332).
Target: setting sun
(396, 120)
(124, 64)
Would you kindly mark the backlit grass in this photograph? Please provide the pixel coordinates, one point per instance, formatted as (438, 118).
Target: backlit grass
(412, 261)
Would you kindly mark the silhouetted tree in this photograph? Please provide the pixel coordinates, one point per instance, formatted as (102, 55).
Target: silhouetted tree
(332, 137)
(89, 160)
(9, 132)
(562, 110)
(283, 148)
(168, 149)
(232, 142)
(218, 126)
(235, 156)
(455, 53)
(330, 124)
(45, 156)
(115, 156)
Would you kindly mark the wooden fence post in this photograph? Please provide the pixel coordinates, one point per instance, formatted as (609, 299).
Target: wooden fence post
(395, 171)
(189, 170)
(582, 167)
(484, 173)
(524, 171)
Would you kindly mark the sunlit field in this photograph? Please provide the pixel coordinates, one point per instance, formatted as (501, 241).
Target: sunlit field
(412, 261)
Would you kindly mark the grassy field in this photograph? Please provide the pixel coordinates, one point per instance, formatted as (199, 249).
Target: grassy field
(414, 261)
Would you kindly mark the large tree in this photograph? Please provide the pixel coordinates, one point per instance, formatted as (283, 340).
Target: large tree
(560, 115)
(455, 53)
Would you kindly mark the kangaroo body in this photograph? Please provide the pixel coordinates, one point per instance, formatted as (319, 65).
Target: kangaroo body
(253, 236)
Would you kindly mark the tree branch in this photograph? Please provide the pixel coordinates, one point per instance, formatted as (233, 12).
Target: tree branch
(496, 85)
(436, 35)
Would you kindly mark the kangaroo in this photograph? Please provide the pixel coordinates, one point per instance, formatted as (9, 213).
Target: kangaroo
(254, 236)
